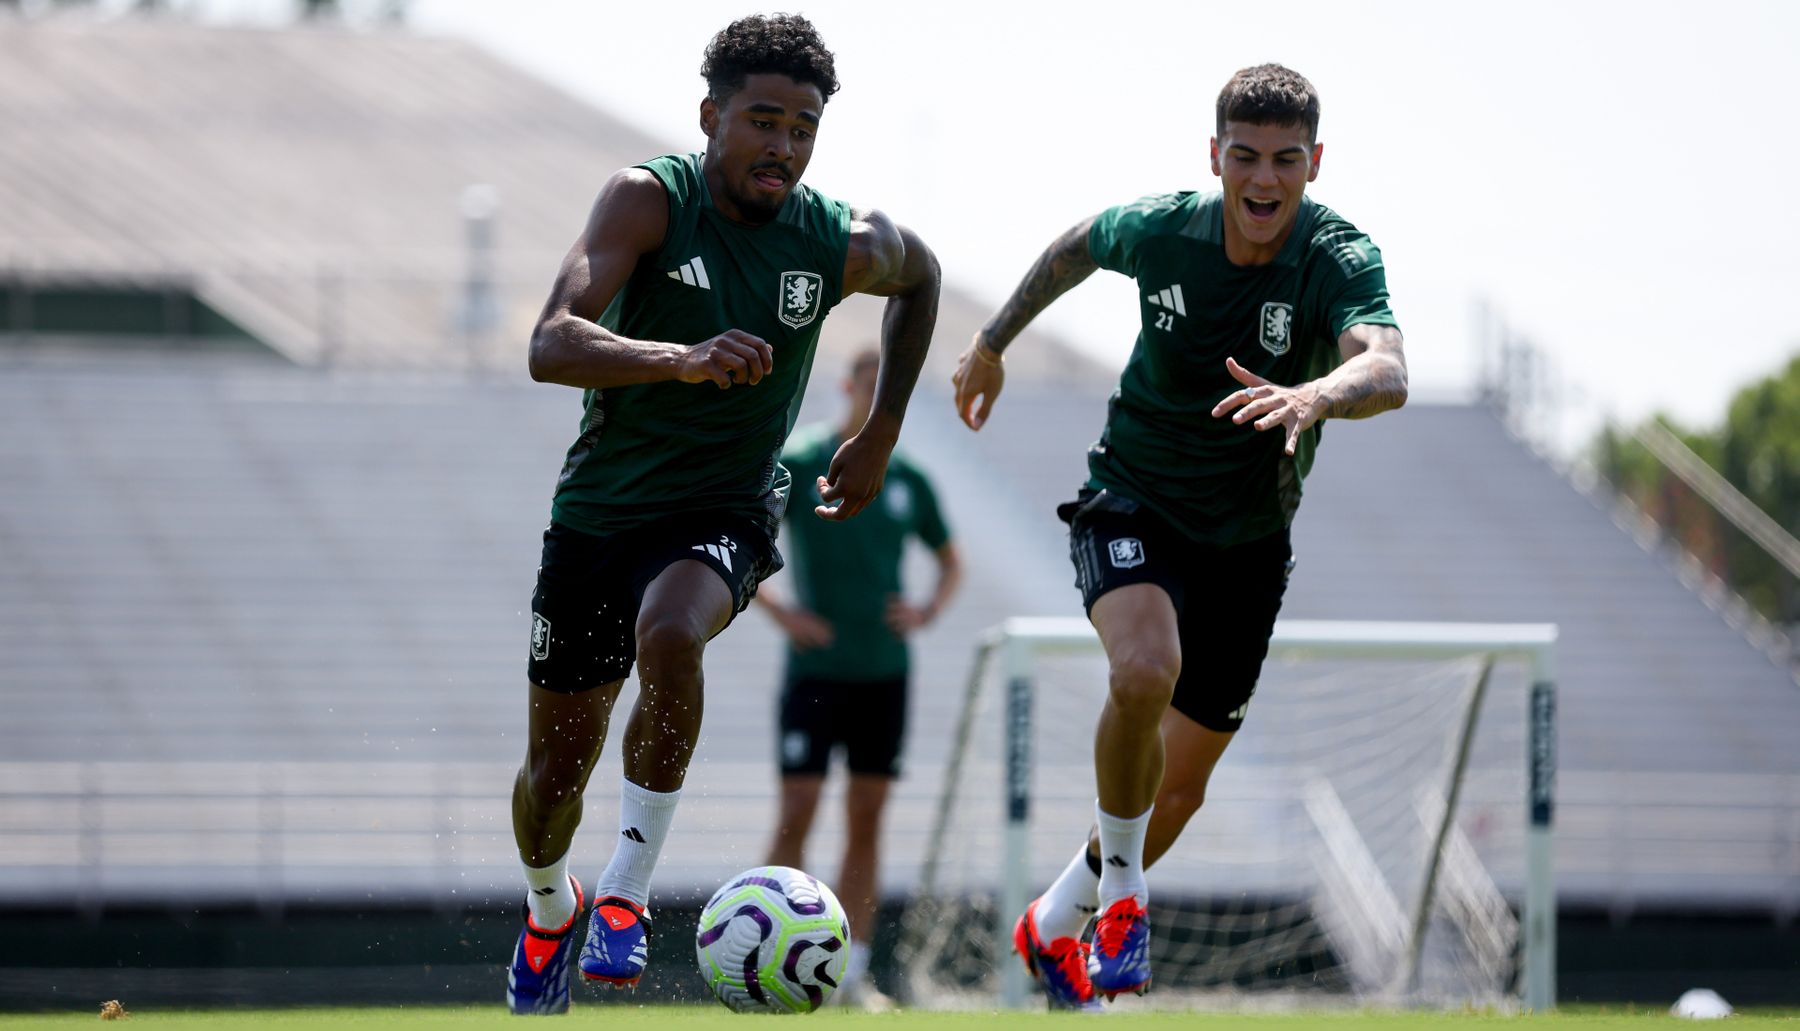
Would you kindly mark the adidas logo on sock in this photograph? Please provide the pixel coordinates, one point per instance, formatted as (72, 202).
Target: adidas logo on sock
(1118, 861)
(634, 834)
(693, 274)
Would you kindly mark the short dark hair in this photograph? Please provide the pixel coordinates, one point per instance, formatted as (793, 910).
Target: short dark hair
(1270, 94)
(786, 44)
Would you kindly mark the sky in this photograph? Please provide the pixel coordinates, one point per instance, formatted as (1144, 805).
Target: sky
(1609, 178)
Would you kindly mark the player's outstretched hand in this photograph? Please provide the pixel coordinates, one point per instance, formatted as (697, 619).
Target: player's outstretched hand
(1270, 404)
(733, 356)
(978, 374)
(854, 477)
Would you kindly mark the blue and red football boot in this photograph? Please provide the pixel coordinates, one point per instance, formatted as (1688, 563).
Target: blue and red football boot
(539, 980)
(1060, 967)
(1120, 958)
(618, 943)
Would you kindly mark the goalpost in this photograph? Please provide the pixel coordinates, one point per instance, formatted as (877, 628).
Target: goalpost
(1371, 834)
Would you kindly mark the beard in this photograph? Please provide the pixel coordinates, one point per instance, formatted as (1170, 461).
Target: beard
(756, 206)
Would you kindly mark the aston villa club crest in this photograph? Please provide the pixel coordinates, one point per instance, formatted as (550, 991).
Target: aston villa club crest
(1127, 552)
(1277, 327)
(800, 297)
(540, 637)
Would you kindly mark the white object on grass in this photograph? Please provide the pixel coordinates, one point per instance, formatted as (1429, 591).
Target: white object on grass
(1701, 1004)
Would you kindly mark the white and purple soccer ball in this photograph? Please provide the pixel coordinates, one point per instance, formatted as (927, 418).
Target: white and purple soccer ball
(773, 939)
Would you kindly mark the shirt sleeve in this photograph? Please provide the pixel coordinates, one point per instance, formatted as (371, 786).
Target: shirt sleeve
(928, 518)
(1361, 296)
(1116, 232)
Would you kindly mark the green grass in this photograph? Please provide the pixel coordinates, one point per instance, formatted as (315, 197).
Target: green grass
(687, 1018)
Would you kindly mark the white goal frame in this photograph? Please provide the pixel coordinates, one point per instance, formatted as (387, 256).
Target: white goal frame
(1020, 639)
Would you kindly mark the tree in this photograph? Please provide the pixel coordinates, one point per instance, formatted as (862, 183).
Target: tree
(1757, 450)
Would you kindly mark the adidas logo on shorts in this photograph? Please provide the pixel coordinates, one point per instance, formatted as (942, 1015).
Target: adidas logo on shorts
(717, 551)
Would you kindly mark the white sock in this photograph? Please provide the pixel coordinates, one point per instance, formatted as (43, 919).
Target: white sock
(552, 898)
(858, 967)
(1122, 856)
(644, 818)
(1064, 910)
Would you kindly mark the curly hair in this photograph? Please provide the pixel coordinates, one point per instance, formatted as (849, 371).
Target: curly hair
(1270, 94)
(786, 44)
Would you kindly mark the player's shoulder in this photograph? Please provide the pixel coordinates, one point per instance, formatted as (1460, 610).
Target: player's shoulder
(635, 184)
(817, 198)
(815, 214)
(1158, 212)
(632, 212)
(679, 174)
(1121, 235)
(1333, 241)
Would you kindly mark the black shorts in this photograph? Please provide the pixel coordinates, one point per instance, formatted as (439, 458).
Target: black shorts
(866, 717)
(1226, 598)
(585, 608)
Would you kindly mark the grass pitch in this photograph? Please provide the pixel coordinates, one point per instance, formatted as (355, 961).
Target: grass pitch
(691, 1018)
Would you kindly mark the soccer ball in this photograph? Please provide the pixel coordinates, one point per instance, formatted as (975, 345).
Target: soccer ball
(773, 939)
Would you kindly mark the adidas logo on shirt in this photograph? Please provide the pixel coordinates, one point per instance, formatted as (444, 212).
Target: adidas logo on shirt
(1168, 297)
(693, 274)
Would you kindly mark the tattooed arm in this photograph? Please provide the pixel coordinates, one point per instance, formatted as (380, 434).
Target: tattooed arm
(1063, 264)
(886, 260)
(979, 373)
(1371, 380)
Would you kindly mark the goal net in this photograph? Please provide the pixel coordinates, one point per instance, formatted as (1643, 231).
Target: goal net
(1378, 831)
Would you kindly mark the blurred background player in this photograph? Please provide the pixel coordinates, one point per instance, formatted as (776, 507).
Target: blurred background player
(1261, 311)
(847, 659)
(688, 310)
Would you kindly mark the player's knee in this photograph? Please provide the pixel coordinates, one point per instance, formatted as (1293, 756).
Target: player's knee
(1182, 800)
(1145, 680)
(668, 647)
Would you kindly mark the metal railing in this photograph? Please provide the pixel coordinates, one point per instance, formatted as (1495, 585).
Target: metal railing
(1522, 382)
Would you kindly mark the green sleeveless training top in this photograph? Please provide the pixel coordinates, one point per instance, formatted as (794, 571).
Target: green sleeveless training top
(1222, 482)
(656, 449)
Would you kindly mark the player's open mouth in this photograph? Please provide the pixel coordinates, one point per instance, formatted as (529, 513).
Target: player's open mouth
(1261, 210)
(769, 179)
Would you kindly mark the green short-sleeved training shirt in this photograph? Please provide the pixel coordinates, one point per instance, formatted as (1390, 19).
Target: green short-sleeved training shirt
(847, 571)
(1218, 481)
(654, 449)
